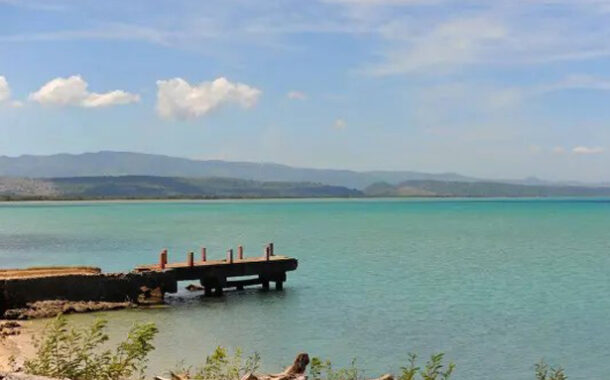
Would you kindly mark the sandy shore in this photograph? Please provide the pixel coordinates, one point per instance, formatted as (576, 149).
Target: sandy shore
(18, 346)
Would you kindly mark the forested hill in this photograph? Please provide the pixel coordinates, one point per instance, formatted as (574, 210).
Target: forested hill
(162, 187)
(480, 189)
(127, 163)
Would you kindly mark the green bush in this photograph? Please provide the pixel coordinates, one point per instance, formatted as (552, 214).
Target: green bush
(79, 354)
(220, 365)
(543, 372)
(323, 369)
(434, 369)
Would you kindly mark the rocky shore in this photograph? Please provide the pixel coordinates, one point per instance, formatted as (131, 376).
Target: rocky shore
(52, 308)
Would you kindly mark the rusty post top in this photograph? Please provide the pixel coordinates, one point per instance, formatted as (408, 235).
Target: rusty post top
(163, 259)
(204, 254)
(240, 252)
(189, 259)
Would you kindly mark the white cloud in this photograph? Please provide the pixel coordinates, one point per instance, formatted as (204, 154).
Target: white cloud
(296, 95)
(454, 42)
(340, 124)
(109, 98)
(5, 95)
(72, 91)
(587, 150)
(5, 91)
(178, 99)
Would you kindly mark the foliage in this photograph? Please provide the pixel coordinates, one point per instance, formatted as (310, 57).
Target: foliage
(543, 372)
(220, 365)
(434, 369)
(323, 369)
(79, 354)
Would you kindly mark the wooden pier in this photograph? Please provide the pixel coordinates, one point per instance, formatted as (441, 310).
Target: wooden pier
(145, 284)
(230, 273)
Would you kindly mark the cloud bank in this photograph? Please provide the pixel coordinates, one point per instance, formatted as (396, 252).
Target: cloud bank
(177, 99)
(72, 91)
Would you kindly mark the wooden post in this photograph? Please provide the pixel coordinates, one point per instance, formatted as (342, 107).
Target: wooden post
(190, 259)
(271, 249)
(267, 252)
(204, 254)
(163, 259)
(265, 283)
(240, 252)
(230, 256)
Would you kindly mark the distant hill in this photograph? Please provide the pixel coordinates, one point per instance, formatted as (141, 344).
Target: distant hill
(151, 187)
(162, 187)
(418, 188)
(125, 163)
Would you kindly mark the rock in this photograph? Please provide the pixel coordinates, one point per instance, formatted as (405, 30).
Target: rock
(49, 309)
(9, 328)
(194, 288)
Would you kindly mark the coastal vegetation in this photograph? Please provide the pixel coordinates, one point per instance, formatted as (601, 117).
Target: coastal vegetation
(150, 187)
(82, 354)
(79, 354)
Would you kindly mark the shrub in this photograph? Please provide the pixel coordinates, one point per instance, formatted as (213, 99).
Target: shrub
(543, 372)
(79, 354)
(220, 365)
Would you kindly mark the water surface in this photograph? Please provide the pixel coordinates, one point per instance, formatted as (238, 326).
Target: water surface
(495, 284)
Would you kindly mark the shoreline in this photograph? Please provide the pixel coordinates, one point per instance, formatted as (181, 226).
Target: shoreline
(75, 201)
(19, 346)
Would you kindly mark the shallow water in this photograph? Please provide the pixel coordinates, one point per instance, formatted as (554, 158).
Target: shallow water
(495, 284)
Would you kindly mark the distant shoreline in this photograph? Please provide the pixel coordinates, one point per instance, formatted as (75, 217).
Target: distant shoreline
(224, 199)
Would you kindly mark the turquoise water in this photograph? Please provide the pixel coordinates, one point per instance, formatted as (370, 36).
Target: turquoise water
(496, 285)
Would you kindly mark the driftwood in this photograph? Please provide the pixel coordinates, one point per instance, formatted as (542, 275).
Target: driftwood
(295, 372)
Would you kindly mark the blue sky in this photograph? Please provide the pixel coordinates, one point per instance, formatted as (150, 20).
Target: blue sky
(491, 88)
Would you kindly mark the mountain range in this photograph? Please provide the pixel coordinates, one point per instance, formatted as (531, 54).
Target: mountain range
(126, 163)
(110, 175)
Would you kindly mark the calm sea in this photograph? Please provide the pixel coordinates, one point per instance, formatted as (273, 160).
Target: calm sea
(495, 284)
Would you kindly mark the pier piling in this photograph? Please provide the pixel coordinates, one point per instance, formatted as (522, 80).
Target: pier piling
(240, 252)
(230, 256)
(204, 254)
(190, 259)
(163, 259)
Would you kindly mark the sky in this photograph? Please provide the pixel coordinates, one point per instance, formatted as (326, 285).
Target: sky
(488, 88)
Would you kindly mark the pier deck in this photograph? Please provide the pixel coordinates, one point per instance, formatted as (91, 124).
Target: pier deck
(217, 275)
